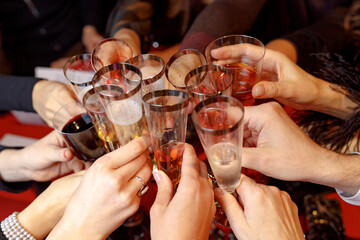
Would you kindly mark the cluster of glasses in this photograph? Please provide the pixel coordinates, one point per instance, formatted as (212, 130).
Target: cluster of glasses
(125, 97)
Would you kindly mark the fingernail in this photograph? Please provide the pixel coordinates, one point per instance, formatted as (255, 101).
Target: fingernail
(67, 154)
(258, 91)
(157, 176)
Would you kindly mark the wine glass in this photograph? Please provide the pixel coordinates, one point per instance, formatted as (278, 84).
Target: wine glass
(180, 64)
(166, 113)
(102, 124)
(219, 123)
(152, 68)
(208, 81)
(79, 72)
(110, 51)
(121, 98)
(77, 129)
(246, 69)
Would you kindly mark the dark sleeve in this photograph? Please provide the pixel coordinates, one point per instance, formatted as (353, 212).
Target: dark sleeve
(16, 93)
(91, 12)
(221, 18)
(2, 236)
(135, 15)
(14, 187)
(326, 35)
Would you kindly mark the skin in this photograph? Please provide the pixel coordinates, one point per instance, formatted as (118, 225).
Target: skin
(49, 96)
(50, 158)
(277, 147)
(260, 212)
(106, 196)
(286, 82)
(191, 208)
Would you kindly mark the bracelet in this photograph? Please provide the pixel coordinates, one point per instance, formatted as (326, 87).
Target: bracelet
(13, 230)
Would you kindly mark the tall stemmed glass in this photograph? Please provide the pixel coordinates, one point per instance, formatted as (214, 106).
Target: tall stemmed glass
(152, 69)
(102, 124)
(219, 124)
(246, 69)
(208, 81)
(121, 98)
(180, 64)
(110, 51)
(166, 113)
(79, 72)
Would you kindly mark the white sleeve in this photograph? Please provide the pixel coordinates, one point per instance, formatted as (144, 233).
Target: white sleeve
(355, 199)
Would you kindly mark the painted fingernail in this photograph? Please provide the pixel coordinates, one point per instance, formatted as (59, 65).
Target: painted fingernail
(157, 176)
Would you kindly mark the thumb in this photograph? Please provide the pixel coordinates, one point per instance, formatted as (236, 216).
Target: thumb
(251, 157)
(59, 154)
(233, 211)
(266, 89)
(164, 193)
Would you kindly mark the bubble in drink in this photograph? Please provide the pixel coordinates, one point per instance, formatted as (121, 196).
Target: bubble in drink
(126, 116)
(225, 162)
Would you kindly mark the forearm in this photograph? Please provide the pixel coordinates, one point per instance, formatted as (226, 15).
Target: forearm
(41, 216)
(338, 171)
(333, 101)
(10, 167)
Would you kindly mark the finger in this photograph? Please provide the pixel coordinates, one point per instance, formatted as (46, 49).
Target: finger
(191, 164)
(126, 153)
(140, 178)
(128, 170)
(267, 89)
(233, 211)
(164, 193)
(250, 51)
(244, 189)
(76, 165)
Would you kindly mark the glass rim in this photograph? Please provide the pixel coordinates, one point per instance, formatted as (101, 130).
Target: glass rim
(62, 108)
(146, 57)
(178, 54)
(89, 93)
(261, 44)
(221, 99)
(121, 93)
(166, 92)
(92, 59)
(205, 68)
(83, 56)
(113, 67)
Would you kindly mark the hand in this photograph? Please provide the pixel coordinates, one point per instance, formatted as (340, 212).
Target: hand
(286, 82)
(107, 194)
(283, 150)
(90, 37)
(265, 212)
(41, 216)
(187, 215)
(49, 96)
(42, 161)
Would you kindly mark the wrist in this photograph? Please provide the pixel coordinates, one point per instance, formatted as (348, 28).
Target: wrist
(332, 101)
(337, 170)
(10, 166)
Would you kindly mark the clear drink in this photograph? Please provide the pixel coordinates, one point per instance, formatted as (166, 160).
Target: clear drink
(225, 162)
(127, 119)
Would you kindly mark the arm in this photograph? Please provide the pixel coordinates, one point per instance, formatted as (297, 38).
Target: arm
(221, 18)
(285, 152)
(131, 21)
(46, 210)
(191, 208)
